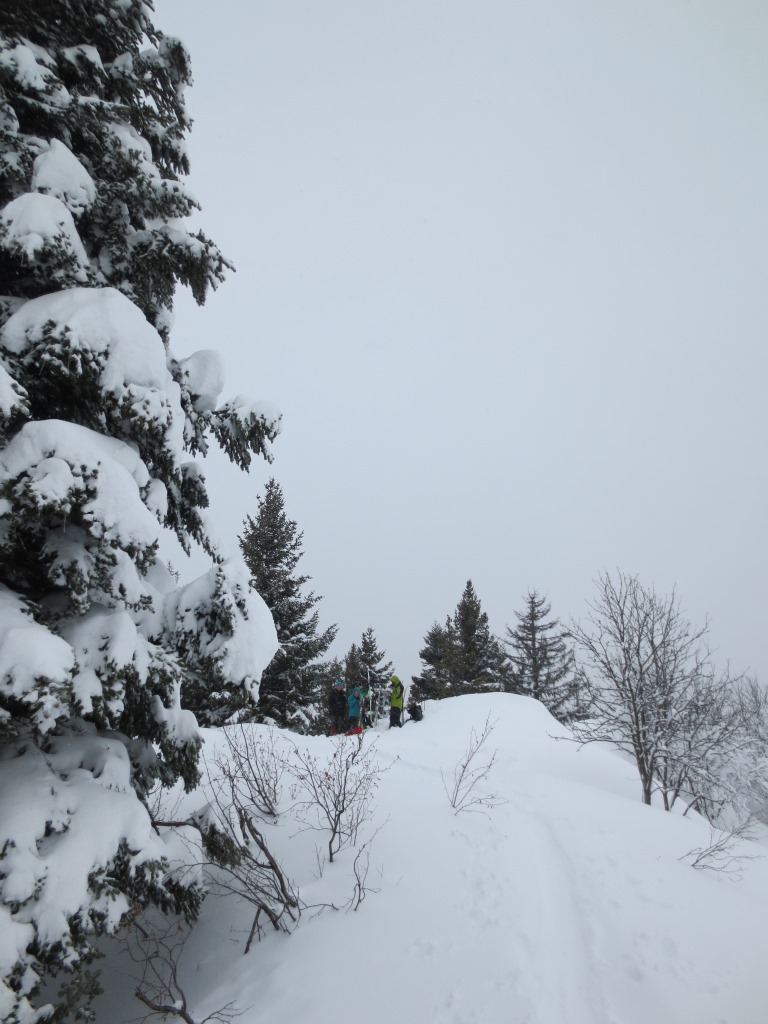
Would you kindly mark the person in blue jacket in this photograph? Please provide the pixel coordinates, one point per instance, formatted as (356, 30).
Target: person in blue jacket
(354, 701)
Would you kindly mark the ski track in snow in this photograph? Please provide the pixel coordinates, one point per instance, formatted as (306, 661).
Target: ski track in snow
(516, 899)
(564, 928)
(481, 889)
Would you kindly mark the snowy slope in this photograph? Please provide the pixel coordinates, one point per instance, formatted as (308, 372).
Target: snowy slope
(567, 904)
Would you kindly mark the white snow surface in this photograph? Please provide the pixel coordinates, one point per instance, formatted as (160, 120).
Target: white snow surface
(570, 903)
(133, 143)
(35, 221)
(57, 172)
(246, 409)
(33, 661)
(244, 651)
(100, 319)
(27, 63)
(132, 356)
(11, 393)
(75, 54)
(204, 371)
(55, 456)
(83, 777)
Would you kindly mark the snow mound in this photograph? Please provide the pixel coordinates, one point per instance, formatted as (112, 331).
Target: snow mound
(569, 903)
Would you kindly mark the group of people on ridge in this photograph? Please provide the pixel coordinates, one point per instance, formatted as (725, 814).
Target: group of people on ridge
(347, 710)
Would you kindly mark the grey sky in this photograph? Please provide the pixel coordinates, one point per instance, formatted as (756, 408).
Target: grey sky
(503, 267)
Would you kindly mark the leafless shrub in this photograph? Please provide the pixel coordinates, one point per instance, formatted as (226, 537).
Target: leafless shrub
(361, 888)
(361, 868)
(245, 786)
(725, 853)
(164, 804)
(337, 793)
(156, 945)
(244, 782)
(253, 768)
(473, 768)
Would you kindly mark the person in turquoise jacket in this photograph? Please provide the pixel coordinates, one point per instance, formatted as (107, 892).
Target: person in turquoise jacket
(354, 701)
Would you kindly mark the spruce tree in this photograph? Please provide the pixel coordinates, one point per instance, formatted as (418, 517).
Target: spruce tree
(99, 427)
(374, 666)
(463, 656)
(271, 544)
(435, 681)
(541, 663)
(375, 672)
(477, 658)
(353, 668)
(324, 674)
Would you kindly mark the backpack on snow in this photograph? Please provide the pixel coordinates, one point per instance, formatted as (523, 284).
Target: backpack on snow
(415, 711)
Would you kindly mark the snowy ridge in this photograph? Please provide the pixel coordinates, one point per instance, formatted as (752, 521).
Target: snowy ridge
(567, 904)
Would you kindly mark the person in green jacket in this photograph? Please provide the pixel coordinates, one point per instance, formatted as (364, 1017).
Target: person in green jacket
(396, 703)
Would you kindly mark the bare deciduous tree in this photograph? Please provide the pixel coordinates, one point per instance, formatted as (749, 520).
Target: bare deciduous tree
(653, 692)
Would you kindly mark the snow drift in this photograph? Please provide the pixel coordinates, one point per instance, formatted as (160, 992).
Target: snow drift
(569, 903)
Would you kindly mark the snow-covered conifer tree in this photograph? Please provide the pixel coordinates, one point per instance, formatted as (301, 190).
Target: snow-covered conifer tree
(477, 654)
(375, 668)
(272, 548)
(375, 672)
(541, 663)
(353, 667)
(435, 680)
(461, 657)
(99, 427)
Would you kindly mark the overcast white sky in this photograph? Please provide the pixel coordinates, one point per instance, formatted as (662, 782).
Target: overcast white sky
(503, 266)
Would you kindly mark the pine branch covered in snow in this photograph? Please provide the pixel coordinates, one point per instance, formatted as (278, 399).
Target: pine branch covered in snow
(99, 427)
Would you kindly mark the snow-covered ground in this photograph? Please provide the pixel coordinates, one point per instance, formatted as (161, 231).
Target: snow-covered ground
(569, 903)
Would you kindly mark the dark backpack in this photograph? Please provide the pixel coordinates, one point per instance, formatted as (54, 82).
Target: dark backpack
(415, 712)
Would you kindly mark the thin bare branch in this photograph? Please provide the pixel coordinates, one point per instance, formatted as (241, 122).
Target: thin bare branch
(473, 768)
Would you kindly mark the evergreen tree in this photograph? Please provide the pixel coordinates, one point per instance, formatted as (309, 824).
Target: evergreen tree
(375, 669)
(375, 672)
(477, 657)
(324, 675)
(541, 663)
(463, 656)
(436, 681)
(327, 672)
(272, 548)
(353, 668)
(99, 426)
